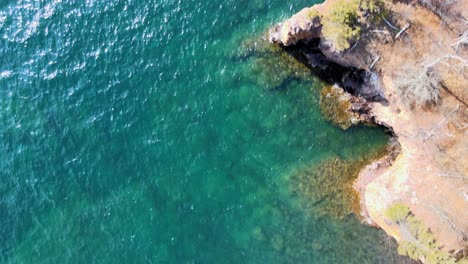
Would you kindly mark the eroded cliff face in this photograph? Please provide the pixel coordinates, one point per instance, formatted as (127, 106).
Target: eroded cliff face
(428, 171)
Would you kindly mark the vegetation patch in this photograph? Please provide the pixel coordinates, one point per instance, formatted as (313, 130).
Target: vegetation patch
(348, 18)
(313, 14)
(341, 26)
(417, 241)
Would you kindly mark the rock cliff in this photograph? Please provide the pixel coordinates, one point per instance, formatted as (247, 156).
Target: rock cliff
(409, 67)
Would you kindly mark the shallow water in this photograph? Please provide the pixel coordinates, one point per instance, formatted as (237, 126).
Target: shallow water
(130, 134)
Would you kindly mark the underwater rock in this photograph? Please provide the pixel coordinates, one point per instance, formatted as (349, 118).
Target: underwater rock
(317, 246)
(335, 105)
(328, 186)
(413, 174)
(269, 66)
(277, 70)
(253, 47)
(277, 242)
(258, 234)
(341, 108)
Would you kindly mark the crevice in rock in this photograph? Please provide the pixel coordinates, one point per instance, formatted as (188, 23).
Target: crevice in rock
(355, 81)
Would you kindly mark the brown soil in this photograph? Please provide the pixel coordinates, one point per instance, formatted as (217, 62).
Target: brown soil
(430, 174)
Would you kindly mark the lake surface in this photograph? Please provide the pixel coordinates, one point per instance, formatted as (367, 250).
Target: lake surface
(131, 132)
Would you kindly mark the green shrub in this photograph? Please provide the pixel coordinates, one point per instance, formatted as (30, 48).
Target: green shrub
(341, 25)
(347, 19)
(313, 14)
(374, 7)
(417, 241)
(397, 212)
(406, 248)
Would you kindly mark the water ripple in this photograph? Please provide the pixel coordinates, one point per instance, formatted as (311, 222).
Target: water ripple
(129, 134)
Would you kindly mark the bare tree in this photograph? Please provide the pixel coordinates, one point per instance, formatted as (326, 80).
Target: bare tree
(454, 62)
(417, 85)
(439, 7)
(462, 40)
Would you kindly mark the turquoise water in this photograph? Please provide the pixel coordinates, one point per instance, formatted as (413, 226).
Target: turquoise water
(130, 134)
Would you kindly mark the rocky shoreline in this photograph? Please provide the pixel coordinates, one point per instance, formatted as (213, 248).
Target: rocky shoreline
(426, 169)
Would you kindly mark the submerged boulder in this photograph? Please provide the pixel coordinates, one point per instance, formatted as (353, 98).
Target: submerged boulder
(341, 108)
(326, 188)
(268, 65)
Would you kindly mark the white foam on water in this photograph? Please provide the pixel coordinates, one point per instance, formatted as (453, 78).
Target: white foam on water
(21, 28)
(5, 74)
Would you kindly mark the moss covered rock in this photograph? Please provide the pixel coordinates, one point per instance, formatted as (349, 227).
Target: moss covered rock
(336, 107)
(328, 186)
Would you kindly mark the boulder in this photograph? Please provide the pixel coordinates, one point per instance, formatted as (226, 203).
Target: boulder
(303, 26)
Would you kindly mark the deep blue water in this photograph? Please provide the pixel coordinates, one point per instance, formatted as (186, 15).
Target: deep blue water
(130, 134)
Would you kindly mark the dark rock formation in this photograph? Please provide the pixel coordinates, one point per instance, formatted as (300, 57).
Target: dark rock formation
(301, 36)
(357, 82)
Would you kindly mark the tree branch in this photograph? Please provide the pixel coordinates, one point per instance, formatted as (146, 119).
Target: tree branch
(373, 63)
(406, 27)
